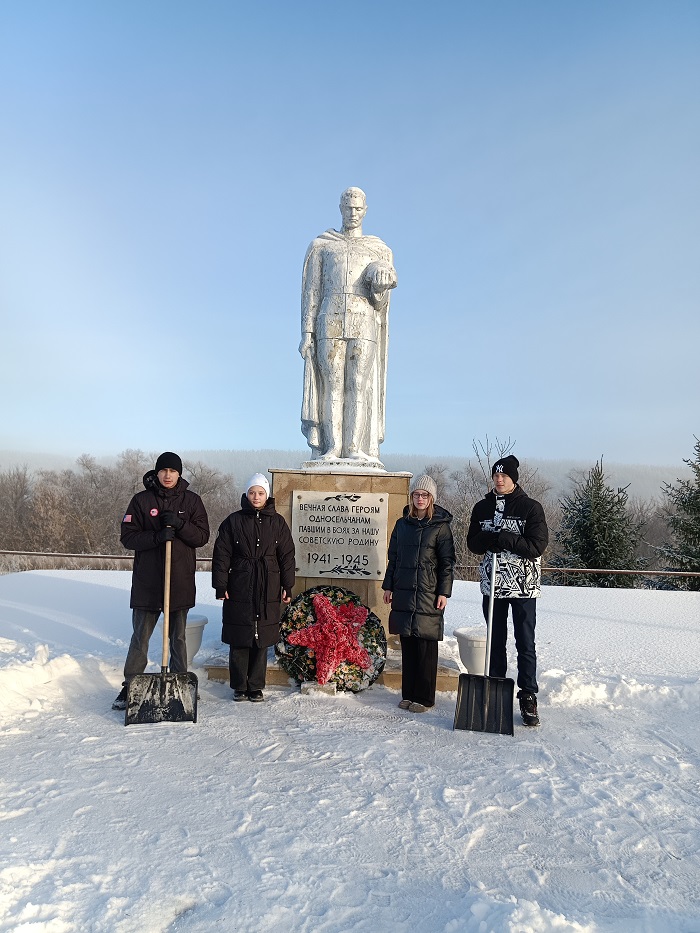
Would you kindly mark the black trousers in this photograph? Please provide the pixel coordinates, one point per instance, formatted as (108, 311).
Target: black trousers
(524, 618)
(144, 621)
(247, 667)
(419, 660)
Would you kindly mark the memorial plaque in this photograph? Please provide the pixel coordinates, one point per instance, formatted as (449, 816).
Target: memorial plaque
(340, 535)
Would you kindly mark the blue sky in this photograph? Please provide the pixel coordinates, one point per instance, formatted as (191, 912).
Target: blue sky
(533, 165)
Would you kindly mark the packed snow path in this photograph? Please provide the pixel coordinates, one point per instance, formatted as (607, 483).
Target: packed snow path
(340, 814)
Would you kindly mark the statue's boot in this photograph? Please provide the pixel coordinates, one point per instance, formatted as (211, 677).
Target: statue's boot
(361, 455)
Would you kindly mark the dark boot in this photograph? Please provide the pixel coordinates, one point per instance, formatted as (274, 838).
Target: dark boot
(528, 708)
(120, 702)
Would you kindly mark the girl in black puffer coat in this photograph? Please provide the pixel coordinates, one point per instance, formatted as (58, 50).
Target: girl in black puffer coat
(253, 572)
(417, 585)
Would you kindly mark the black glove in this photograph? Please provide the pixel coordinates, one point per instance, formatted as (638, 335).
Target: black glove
(490, 540)
(165, 534)
(150, 480)
(506, 540)
(172, 519)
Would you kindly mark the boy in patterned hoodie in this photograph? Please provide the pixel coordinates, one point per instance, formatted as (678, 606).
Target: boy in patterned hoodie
(507, 522)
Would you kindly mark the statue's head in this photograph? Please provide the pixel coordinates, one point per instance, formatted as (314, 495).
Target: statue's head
(353, 207)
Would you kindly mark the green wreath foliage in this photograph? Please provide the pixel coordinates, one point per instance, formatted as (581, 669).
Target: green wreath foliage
(299, 661)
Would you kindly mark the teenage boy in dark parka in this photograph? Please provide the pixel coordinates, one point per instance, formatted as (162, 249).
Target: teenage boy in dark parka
(165, 511)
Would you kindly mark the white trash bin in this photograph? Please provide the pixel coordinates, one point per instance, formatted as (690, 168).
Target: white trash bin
(472, 649)
(193, 635)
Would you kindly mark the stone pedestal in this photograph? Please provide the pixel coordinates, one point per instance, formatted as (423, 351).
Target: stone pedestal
(341, 482)
(392, 485)
(447, 674)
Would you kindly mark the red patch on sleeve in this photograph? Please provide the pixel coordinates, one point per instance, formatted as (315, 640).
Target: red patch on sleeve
(127, 518)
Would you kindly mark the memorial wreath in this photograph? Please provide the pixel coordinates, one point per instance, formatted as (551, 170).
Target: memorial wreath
(328, 636)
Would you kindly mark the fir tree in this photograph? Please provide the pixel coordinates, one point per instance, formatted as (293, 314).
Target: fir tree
(597, 531)
(683, 513)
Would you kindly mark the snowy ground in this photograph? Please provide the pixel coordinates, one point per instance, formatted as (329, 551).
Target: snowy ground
(321, 814)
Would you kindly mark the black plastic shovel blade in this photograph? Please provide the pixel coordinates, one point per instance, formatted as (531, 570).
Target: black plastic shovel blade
(485, 704)
(161, 698)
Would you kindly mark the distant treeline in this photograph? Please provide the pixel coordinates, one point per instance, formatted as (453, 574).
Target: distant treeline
(642, 480)
(78, 509)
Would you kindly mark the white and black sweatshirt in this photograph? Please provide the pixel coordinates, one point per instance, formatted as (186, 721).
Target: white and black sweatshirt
(514, 526)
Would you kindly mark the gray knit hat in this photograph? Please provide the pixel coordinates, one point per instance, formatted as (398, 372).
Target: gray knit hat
(426, 483)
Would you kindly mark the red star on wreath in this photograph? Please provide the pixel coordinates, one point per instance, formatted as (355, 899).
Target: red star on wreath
(333, 637)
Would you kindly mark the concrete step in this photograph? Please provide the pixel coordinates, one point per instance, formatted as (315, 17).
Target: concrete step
(447, 675)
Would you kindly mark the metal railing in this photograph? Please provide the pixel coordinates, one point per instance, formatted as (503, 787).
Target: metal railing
(473, 568)
(643, 573)
(61, 554)
(625, 573)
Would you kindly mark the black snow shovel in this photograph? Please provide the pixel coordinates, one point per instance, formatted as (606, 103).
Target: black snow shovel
(163, 697)
(485, 704)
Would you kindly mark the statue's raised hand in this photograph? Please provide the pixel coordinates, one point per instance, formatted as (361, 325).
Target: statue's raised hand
(380, 276)
(384, 279)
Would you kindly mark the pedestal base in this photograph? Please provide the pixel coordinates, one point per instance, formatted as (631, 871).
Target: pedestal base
(324, 477)
(343, 465)
(447, 675)
(346, 476)
(310, 687)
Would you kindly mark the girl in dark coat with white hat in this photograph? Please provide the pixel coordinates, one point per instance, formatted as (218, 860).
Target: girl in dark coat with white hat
(417, 585)
(253, 573)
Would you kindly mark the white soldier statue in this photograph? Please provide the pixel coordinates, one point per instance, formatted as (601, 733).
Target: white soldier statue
(346, 285)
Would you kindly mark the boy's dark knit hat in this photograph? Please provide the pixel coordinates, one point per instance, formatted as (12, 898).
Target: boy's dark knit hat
(169, 461)
(508, 465)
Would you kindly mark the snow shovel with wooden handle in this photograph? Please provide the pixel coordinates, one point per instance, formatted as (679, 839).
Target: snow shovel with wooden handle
(163, 697)
(485, 704)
